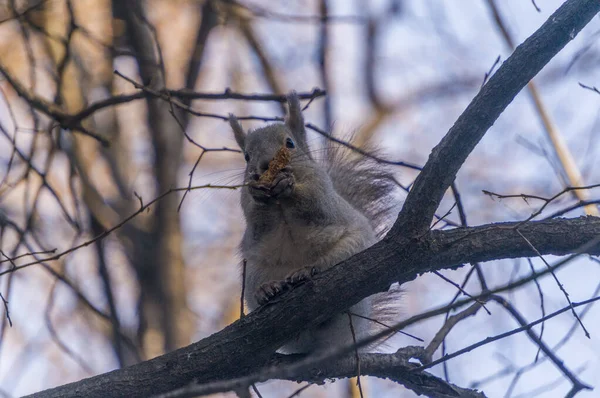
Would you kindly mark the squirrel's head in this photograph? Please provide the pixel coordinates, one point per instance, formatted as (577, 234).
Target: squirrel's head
(261, 145)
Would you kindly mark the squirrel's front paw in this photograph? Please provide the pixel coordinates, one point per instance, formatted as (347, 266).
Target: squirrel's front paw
(268, 291)
(283, 183)
(281, 186)
(259, 192)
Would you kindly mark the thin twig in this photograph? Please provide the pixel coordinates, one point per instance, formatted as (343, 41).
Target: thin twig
(255, 389)
(456, 285)
(244, 264)
(5, 302)
(560, 285)
(385, 325)
(441, 335)
(524, 327)
(117, 226)
(356, 356)
(546, 201)
(543, 307)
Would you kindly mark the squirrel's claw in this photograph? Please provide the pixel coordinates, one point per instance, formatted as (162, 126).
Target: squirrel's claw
(268, 291)
(260, 193)
(301, 275)
(282, 185)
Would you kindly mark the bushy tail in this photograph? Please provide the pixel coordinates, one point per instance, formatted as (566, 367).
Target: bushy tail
(370, 187)
(365, 183)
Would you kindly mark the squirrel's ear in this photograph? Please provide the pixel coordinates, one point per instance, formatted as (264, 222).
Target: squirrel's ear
(294, 120)
(238, 131)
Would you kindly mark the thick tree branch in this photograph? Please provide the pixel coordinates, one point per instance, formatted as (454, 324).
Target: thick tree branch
(394, 366)
(248, 344)
(448, 156)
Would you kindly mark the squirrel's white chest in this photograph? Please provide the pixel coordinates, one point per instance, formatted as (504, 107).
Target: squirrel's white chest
(287, 248)
(284, 250)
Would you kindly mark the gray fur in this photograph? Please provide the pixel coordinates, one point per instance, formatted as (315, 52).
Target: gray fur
(295, 121)
(238, 131)
(313, 215)
(363, 182)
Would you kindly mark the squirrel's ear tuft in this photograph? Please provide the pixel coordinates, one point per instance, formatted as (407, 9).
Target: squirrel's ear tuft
(238, 131)
(294, 120)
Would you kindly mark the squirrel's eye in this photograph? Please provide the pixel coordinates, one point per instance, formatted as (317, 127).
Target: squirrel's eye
(289, 143)
(246, 156)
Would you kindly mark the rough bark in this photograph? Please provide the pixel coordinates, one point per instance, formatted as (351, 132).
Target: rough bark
(409, 249)
(248, 344)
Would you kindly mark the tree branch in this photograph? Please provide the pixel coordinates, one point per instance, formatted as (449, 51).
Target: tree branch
(448, 156)
(248, 343)
(394, 366)
(49, 108)
(408, 251)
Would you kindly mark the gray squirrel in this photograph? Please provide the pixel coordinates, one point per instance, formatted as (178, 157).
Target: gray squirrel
(306, 217)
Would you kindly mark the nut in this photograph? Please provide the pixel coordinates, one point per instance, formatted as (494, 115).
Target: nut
(280, 160)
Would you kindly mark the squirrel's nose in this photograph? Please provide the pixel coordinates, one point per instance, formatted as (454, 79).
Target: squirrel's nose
(263, 165)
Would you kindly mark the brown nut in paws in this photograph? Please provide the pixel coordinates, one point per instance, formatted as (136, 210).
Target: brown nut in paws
(281, 159)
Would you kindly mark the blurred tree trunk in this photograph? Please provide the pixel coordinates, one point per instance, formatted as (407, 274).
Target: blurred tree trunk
(158, 260)
(165, 322)
(73, 80)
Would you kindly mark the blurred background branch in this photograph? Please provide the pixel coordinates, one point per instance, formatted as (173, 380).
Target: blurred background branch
(84, 154)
